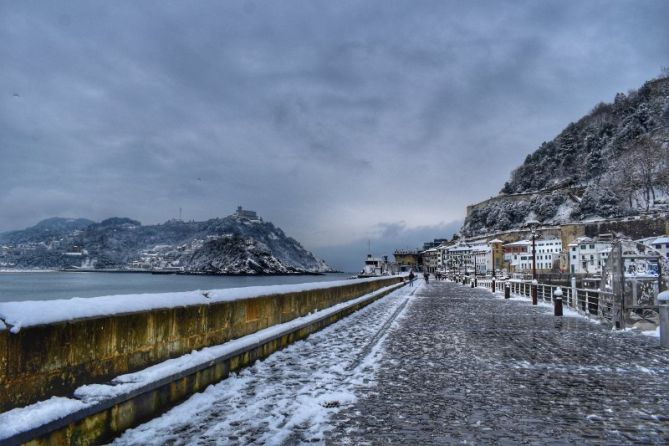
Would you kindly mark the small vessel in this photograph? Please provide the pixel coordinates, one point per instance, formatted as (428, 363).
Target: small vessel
(168, 270)
(374, 267)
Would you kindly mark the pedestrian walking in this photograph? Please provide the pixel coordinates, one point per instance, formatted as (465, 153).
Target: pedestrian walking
(411, 277)
(426, 276)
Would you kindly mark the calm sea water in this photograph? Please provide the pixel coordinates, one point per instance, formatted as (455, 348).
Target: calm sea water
(60, 285)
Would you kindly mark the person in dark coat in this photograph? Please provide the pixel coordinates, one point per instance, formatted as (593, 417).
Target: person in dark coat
(411, 277)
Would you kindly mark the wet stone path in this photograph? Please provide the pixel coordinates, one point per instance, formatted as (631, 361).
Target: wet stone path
(464, 367)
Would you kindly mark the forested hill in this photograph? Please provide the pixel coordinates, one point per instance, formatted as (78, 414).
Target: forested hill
(586, 149)
(612, 162)
(230, 245)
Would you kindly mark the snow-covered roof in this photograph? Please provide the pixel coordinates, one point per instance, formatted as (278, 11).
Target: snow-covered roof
(549, 240)
(664, 239)
(519, 243)
(461, 248)
(496, 240)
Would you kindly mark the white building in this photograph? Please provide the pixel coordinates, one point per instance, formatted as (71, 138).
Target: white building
(482, 258)
(548, 253)
(587, 256)
(661, 244)
(430, 260)
(456, 258)
(518, 255)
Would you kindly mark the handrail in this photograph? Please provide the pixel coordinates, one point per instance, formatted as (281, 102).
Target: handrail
(585, 301)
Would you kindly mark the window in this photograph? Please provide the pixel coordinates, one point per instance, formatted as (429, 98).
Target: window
(592, 246)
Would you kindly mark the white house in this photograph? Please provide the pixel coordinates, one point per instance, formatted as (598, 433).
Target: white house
(430, 260)
(548, 253)
(481, 258)
(661, 244)
(518, 255)
(456, 258)
(587, 256)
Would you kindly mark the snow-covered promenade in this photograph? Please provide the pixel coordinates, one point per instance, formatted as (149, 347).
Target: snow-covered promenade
(288, 398)
(447, 365)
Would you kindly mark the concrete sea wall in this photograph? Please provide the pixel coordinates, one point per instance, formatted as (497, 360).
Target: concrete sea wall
(54, 359)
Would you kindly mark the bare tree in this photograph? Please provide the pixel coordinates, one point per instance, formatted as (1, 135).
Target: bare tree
(643, 171)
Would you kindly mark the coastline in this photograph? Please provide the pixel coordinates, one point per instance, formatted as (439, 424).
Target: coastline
(179, 273)
(12, 271)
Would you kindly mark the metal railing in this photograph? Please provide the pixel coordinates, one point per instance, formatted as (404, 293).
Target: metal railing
(595, 304)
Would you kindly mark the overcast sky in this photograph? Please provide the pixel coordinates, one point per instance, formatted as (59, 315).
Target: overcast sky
(339, 121)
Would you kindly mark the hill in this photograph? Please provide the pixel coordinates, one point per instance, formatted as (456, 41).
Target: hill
(231, 245)
(613, 162)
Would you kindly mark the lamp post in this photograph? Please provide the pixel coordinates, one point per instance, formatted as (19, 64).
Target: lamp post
(533, 229)
(492, 254)
(492, 258)
(474, 281)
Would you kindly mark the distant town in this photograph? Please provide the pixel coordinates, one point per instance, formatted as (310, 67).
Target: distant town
(576, 249)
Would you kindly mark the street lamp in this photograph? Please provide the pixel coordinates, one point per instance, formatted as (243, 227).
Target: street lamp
(532, 224)
(492, 254)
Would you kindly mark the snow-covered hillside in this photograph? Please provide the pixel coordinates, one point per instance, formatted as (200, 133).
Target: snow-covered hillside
(612, 162)
(230, 245)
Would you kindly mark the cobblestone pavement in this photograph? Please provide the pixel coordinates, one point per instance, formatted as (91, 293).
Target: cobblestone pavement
(464, 367)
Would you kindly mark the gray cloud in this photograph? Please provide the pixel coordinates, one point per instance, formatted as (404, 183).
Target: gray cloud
(326, 117)
(384, 238)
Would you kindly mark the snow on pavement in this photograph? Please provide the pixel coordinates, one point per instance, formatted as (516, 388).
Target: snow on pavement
(288, 397)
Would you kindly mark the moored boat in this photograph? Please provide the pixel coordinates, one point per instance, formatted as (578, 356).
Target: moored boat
(374, 267)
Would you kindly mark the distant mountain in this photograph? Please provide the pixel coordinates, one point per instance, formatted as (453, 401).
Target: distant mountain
(612, 162)
(46, 229)
(232, 245)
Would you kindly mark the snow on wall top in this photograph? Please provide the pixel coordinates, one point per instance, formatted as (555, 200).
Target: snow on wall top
(38, 312)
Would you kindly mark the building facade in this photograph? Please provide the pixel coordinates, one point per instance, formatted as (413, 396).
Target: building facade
(587, 256)
(408, 259)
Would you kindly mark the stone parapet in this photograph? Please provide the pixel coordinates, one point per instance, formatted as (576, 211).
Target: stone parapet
(53, 359)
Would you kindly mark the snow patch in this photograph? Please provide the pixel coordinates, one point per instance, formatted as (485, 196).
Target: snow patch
(23, 419)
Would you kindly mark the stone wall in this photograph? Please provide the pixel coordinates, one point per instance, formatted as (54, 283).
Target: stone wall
(54, 359)
(108, 419)
(633, 227)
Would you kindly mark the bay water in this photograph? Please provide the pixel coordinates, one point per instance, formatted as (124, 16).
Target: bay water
(20, 286)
